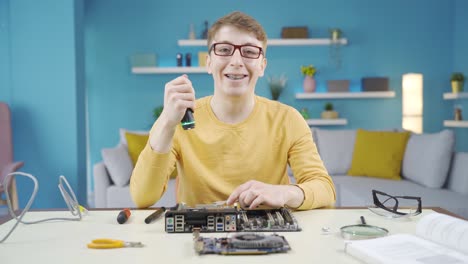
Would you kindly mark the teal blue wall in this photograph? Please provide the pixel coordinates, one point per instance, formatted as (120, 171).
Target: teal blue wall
(47, 94)
(460, 64)
(385, 39)
(5, 87)
(57, 48)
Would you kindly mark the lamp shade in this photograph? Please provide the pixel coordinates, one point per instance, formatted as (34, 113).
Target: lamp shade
(412, 102)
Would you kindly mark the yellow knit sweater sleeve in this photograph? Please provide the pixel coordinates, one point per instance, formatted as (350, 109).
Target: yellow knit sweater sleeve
(307, 166)
(214, 158)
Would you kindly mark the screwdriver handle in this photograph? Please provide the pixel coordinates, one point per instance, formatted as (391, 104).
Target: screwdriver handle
(123, 216)
(188, 121)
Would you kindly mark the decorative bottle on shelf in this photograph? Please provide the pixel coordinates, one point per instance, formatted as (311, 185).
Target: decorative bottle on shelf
(188, 59)
(204, 34)
(179, 59)
(458, 114)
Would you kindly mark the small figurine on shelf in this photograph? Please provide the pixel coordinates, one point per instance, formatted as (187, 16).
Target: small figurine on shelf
(458, 113)
(204, 34)
(192, 32)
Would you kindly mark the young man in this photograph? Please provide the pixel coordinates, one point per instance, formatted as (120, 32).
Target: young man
(242, 143)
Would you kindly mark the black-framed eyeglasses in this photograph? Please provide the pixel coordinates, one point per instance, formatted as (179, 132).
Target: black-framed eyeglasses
(397, 205)
(228, 49)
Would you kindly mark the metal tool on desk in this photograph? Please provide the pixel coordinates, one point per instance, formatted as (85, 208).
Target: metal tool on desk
(107, 243)
(362, 231)
(155, 215)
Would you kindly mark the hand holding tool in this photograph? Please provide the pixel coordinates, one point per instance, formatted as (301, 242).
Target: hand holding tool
(107, 243)
(188, 121)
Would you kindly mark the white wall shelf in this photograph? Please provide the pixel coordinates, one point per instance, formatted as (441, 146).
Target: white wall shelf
(273, 42)
(453, 96)
(353, 95)
(327, 122)
(203, 42)
(167, 70)
(454, 123)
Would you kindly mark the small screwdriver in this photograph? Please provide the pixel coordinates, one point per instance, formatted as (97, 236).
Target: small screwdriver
(188, 122)
(123, 216)
(155, 215)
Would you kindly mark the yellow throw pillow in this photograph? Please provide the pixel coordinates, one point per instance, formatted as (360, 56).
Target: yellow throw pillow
(378, 154)
(136, 143)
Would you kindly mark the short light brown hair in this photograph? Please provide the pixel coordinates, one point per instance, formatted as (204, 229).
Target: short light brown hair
(241, 21)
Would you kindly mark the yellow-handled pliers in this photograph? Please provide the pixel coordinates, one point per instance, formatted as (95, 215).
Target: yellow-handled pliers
(107, 243)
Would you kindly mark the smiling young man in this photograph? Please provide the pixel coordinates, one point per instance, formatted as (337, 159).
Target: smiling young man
(242, 143)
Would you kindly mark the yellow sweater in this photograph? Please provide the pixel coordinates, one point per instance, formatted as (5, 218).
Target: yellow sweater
(214, 158)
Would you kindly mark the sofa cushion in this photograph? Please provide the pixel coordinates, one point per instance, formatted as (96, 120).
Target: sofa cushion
(135, 145)
(378, 154)
(357, 191)
(123, 139)
(136, 142)
(118, 164)
(336, 149)
(427, 158)
(119, 197)
(458, 178)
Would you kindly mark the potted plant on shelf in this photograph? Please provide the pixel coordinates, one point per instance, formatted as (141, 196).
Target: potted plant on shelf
(157, 112)
(458, 79)
(329, 112)
(305, 113)
(309, 81)
(277, 85)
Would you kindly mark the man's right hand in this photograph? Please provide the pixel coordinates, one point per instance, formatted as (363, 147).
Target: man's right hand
(178, 96)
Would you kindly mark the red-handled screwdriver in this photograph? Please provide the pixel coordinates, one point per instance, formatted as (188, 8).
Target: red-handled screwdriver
(123, 216)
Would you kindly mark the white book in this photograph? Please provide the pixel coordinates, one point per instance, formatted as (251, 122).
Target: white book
(439, 239)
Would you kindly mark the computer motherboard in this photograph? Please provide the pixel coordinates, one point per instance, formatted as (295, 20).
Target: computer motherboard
(223, 218)
(241, 244)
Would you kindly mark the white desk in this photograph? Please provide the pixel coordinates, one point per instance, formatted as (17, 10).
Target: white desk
(65, 241)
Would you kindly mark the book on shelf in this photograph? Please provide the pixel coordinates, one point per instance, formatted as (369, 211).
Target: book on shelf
(439, 238)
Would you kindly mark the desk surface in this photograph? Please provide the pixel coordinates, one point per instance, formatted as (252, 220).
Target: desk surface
(65, 241)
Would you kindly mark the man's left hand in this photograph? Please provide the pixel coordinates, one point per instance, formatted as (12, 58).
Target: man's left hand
(254, 193)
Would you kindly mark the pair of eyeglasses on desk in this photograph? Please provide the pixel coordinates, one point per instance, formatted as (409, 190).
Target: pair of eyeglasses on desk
(395, 206)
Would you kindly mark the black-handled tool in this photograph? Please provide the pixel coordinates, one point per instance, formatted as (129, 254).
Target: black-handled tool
(155, 215)
(188, 122)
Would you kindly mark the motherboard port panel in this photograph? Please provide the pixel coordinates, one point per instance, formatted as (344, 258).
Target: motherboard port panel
(224, 218)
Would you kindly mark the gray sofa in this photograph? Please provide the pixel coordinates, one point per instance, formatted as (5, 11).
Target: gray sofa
(430, 169)
(109, 195)
(112, 175)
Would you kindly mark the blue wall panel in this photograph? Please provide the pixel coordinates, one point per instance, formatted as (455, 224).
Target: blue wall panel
(385, 39)
(5, 77)
(460, 64)
(46, 104)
